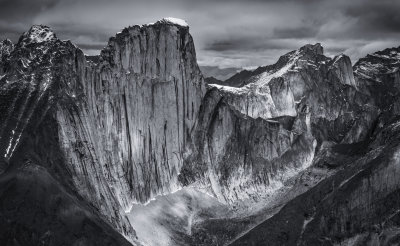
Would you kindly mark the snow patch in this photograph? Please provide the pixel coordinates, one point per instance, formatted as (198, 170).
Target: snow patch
(175, 21)
(10, 144)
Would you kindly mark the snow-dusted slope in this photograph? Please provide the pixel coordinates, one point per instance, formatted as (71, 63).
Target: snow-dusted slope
(378, 75)
(251, 139)
(37, 34)
(379, 63)
(174, 21)
(264, 96)
(359, 204)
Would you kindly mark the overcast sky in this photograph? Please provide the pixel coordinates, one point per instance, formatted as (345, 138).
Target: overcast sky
(227, 33)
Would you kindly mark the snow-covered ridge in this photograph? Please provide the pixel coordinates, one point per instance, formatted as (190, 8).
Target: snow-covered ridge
(38, 34)
(380, 62)
(264, 78)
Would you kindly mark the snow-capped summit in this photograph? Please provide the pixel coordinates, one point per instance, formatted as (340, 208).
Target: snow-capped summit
(309, 55)
(37, 34)
(173, 21)
(275, 90)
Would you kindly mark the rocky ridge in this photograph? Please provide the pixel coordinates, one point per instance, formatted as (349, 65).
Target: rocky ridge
(137, 121)
(357, 205)
(251, 139)
(126, 158)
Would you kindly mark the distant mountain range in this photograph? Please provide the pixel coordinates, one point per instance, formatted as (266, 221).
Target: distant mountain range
(219, 73)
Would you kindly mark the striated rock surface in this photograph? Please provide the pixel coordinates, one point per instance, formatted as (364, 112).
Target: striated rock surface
(359, 204)
(356, 206)
(378, 75)
(237, 157)
(135, 112)
(38, 75)
(249, 140)
(121, 124)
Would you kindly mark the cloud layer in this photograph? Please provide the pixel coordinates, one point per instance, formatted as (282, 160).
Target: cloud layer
(227, 33)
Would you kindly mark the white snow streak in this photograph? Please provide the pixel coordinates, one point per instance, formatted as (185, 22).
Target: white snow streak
(175, 21)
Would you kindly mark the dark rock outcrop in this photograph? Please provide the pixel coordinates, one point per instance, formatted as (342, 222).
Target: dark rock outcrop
(37, 76)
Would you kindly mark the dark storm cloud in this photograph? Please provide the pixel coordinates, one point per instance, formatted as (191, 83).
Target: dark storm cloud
(22, 9)
(226, 32)
(250, 44)
(296, 32)
(378, 16)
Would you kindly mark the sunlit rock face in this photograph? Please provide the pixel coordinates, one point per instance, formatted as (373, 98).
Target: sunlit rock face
(122, 121)
(306, 77)
(237, 157)
(133, 115)
(139, 104)
(250, 139)
(359, 205)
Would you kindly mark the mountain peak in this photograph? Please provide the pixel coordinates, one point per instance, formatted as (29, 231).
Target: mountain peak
(380, 62)
(314, 49)
(6, 46)
(6, 42)
(173, 21)
(37, 34)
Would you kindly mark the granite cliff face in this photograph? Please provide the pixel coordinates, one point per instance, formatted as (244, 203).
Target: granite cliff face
(359, 204)
(121, 123)
(251, 139)
(142, 96)
(36, 79)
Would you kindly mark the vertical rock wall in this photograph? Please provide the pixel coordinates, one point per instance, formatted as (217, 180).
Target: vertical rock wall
(136, 110)
(123, 122)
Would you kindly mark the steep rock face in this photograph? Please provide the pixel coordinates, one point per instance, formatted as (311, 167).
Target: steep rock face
(304, 76)
(237, 157)
(359, 204)
(143, 95)
(122, 123)
(38, 75)
(379, 76)
(250, 139)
